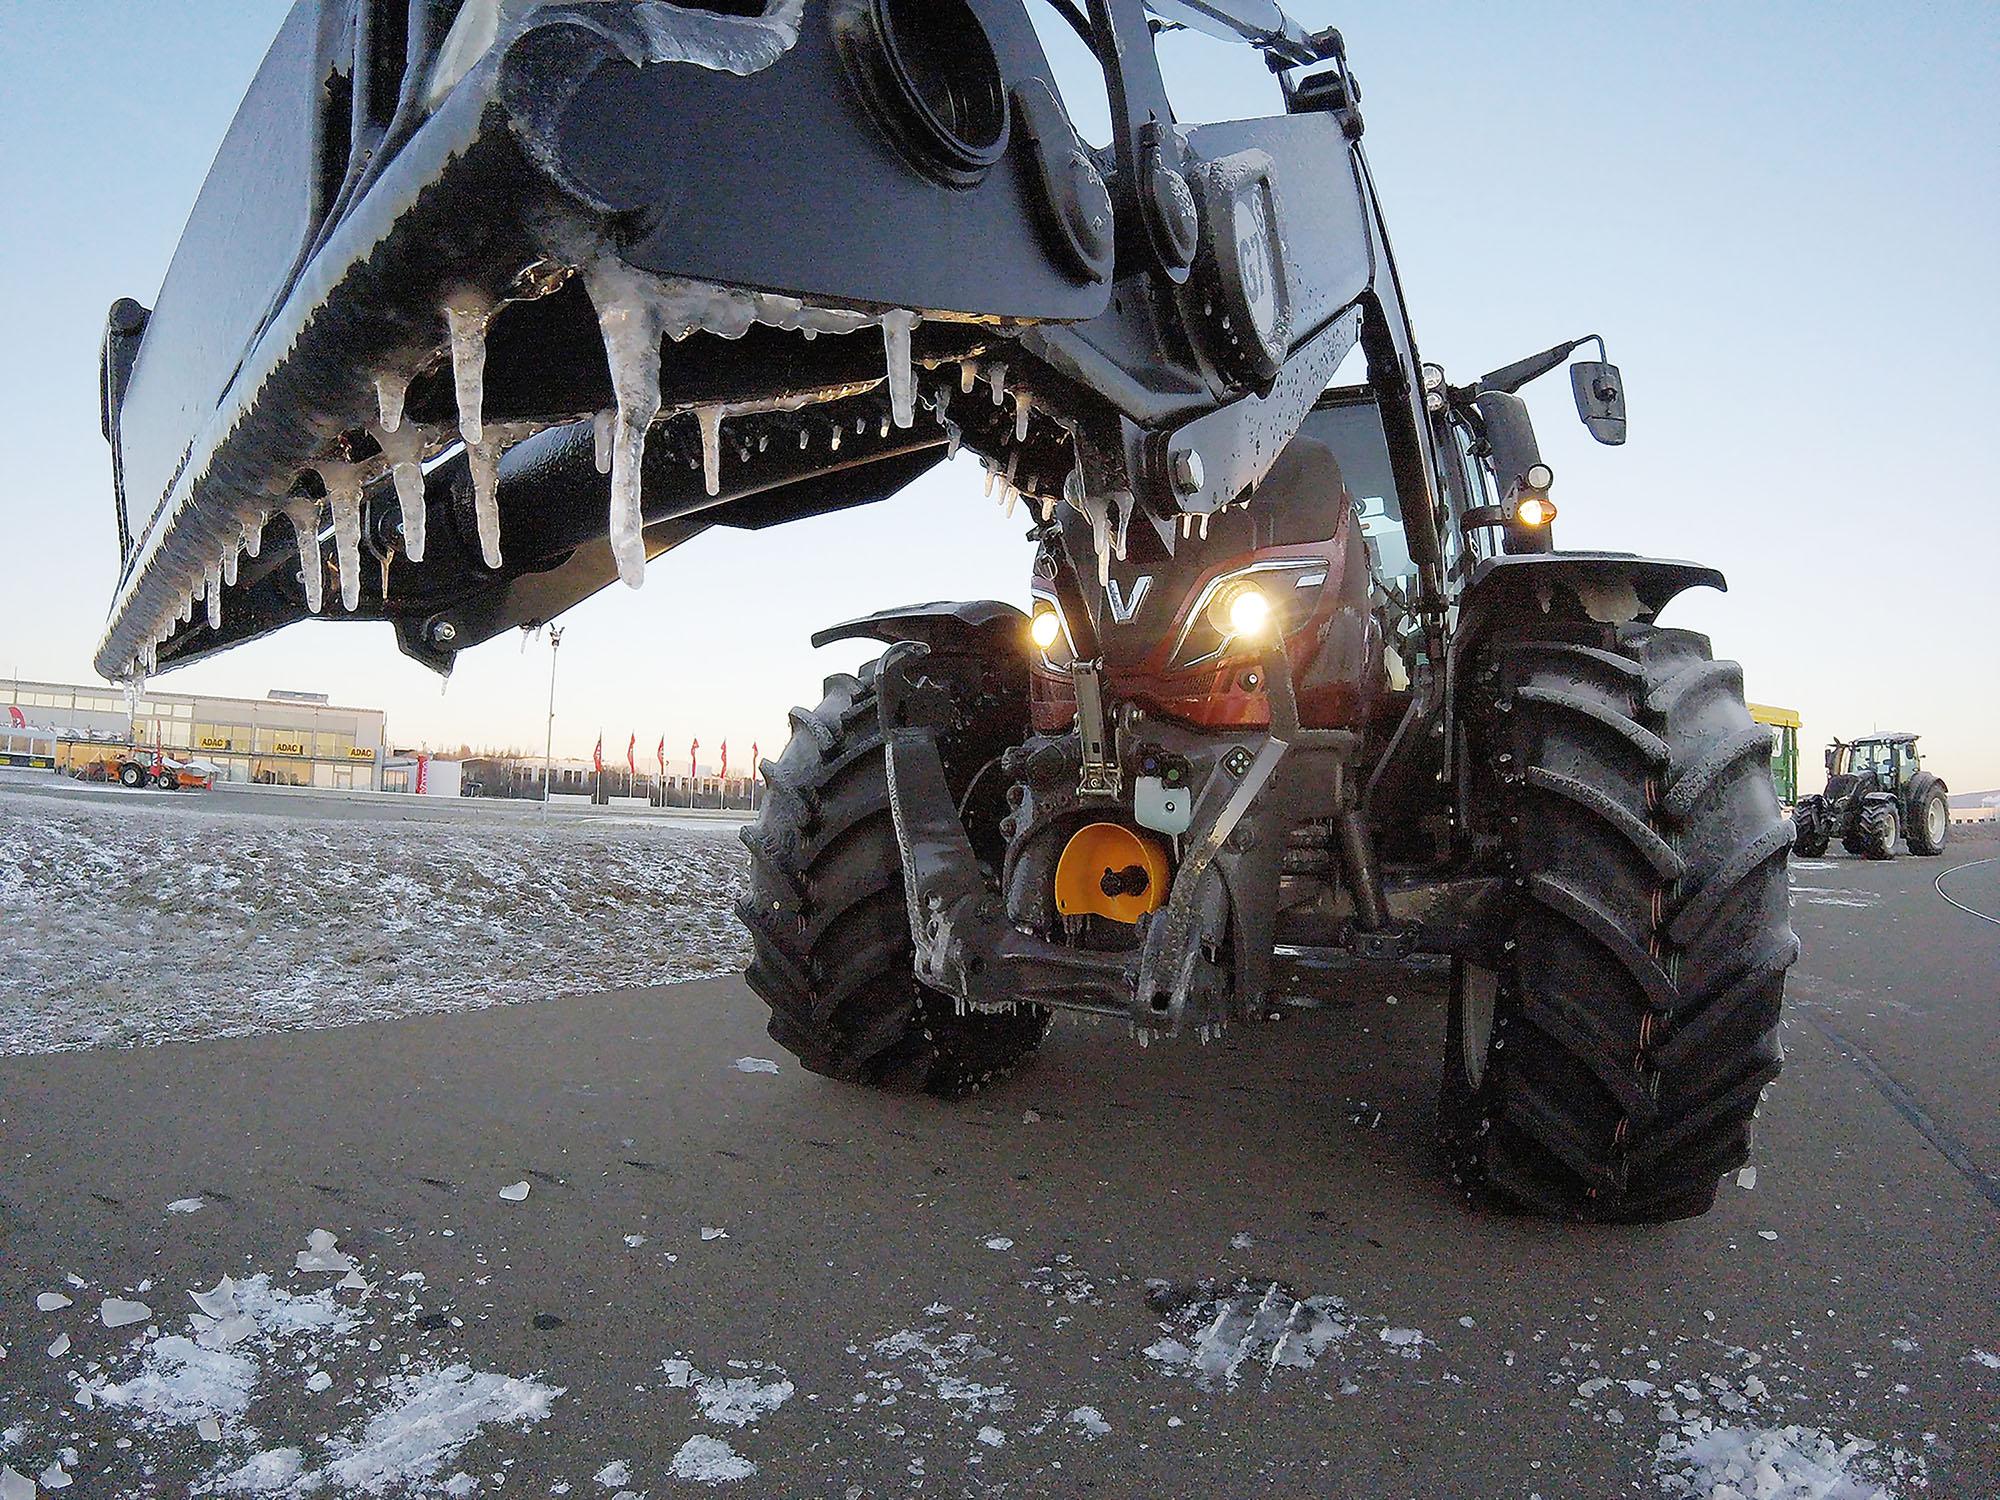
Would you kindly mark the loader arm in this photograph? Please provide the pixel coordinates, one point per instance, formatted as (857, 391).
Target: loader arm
(484, 303)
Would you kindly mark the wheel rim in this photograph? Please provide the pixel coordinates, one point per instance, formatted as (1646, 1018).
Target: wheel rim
(1934, 820)
(1478, 988)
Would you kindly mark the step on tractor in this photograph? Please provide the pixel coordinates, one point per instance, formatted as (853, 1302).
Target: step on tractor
(1877, 791)
(485, 304)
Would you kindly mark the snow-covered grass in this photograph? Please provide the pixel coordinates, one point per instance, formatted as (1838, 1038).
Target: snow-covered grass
(139, 923)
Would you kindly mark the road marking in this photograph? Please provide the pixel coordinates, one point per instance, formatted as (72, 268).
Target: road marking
(1983, 916)
(1949, 1146)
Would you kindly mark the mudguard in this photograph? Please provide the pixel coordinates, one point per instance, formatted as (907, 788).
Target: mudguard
(976, 626)
(730, 252)
(1612, 588)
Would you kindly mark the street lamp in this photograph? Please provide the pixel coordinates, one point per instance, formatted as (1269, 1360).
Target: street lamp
(549, 746)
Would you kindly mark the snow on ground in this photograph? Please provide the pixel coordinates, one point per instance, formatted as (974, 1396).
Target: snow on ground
(136, 923)
(238, 1373)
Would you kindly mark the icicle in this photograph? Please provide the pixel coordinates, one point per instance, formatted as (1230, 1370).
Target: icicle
(1048, 509)
(763, 442)
(304, 516)
(1008, 495)
(483, 459)
(996, 382)
(343, 497)
(805, 438)
(212, 588)
(1022, 407)
(389, 393)
(709, 418)
(632, 312)
(943, 402)
(1204, 526)
(968, 374)
(403, 446)
(230, 552)
(836, 437)
(253, 533)
(896, 326)
(991, 475)
(957, 438)
(603, 427)
(467, 314)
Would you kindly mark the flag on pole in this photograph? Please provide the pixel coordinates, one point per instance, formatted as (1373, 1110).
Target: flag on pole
(725, 760)
(661, 755)
(20, 719)
(631, 758)
(597, 754)
(693, 745)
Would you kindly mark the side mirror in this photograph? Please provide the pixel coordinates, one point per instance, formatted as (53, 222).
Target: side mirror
(1829, 760)
(1600, 399)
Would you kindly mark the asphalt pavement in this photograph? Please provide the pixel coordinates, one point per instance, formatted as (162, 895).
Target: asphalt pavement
(719, 1266)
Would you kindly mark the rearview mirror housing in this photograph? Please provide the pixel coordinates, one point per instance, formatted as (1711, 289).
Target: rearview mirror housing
(1600, 399)
(1829, 760)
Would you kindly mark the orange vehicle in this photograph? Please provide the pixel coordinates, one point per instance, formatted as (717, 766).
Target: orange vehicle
(142, 768)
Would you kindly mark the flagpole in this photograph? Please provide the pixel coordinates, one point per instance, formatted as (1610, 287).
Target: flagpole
(549, 746)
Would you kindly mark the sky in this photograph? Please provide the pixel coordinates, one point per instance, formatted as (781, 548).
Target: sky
(1784, 218)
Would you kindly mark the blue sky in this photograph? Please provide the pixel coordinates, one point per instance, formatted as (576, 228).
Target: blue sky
(1784, 218)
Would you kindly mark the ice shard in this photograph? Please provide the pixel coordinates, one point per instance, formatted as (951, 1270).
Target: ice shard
(212, 592)
(389, 393)
(709, 418)
(466, 315)
(603, 427)
(343, 498)
(897, 325)
(482, 460)
(632, 312)
(304, 516)
(403, 446)
(1023, 406)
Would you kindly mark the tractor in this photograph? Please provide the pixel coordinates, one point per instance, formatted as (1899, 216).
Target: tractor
(1877, 791)
(486, 304)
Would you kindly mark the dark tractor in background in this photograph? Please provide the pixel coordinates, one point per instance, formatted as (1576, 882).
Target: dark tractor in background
(1877, 791)
(486, 305)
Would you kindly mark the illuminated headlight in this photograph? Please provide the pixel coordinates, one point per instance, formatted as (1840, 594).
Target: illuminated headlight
(1535, 510)
(1050, 632)
(1236, 613)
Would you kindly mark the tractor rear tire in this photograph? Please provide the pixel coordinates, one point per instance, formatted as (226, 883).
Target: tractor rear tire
(1930, 822)
(1609, 1041)
(828, 924)
(1812, 838)
(131, 776)
(1875, 832)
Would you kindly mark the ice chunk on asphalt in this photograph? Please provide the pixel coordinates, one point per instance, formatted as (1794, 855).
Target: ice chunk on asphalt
(50, 1301)
(615, 1473)
(515, 1192)
(186, 1205)
(60, 1347)
(54, 1477)
(714, 1234)
(117, 1312)
(999, 1242)
(483, 460)
(320, 1254)
(403, 446)
(353, 1281)
(304, 516)
(219, 1302)
(1747, 1178)
(710, 1460)
(1408, 1342)
(466, 314)
(318, 1381)
(208, 1430)
(1091, 1420)
(992, 1437)
(755, 1065)
(15, 1485)
(896, 328)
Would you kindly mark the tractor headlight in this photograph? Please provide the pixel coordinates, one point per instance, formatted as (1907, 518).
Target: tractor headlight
(1535, 511)
(1050, 632)
(1238, 612)
(1045, 627)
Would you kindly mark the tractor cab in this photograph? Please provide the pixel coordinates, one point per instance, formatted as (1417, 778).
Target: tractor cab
(1886, 762)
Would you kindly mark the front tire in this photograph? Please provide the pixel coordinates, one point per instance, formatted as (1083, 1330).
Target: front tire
(1875, 832)
(132, 776)
(826, 913)
(1608, 1045)
(1813, 835)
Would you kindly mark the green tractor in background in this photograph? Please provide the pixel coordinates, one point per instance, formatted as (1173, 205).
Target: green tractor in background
(1876, 791)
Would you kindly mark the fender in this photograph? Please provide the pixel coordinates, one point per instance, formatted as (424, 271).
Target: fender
(977, 627)
(1612, 588)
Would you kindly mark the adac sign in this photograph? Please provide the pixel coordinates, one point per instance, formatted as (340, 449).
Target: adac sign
(288, 747)
(212, 742)
(360, 752)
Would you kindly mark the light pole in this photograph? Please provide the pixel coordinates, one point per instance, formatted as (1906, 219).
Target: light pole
(549, 746)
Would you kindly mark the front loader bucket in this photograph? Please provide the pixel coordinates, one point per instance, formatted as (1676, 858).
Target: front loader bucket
(389, 315)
